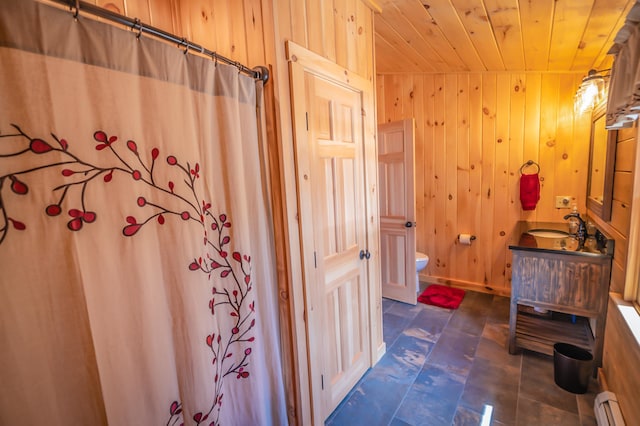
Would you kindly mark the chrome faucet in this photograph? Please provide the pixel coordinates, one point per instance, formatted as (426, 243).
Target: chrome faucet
(582, 226)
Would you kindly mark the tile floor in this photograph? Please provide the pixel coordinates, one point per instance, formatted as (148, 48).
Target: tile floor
(445, 367)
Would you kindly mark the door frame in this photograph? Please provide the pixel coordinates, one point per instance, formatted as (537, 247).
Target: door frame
(300, 58)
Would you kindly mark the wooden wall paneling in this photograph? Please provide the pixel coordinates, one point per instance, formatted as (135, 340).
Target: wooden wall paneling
(283, 18)
(444, 16)
(419, 161)
(381, 112)
(580, 153)
(620, 216)
(548, 122)
(451, 173)
(516, 144)
(291, 359)
(505, 20)
(602, 13)
(395, 21)
(112, 5)
(316, 25)
(501, 228)
(198, 24)
(536, 24)
(510, 119)
(364, 40)
(476, 271)
(229, 26)
(298, 23)
(473, 15)
(531, 148)
(516, 158)
(167, 14)
(386, 29)
(384, 48)
(416, 16)
(329, 26)
(486, 231)
(604, 60)
(567, 32)
(254, 34)
(354, 63)
(291, 291)
(340, 25)
(138, 9)
(427, 231)
(441, 255)
(623, 187)
(461, 259)
(619, 361)
(618, 265)
(625, 155)
(627, 133)
(564, 182)
(398, 96)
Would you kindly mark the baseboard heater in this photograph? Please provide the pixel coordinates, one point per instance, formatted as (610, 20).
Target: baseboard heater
(607, 410)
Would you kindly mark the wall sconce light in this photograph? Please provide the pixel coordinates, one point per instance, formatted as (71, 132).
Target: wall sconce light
(591, 91)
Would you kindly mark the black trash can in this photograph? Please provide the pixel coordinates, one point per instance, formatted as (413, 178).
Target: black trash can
(572, 367)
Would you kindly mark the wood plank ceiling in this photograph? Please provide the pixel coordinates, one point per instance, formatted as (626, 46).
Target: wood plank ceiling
(435, 36)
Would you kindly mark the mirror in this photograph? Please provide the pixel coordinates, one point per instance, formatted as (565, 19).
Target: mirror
(601, 163)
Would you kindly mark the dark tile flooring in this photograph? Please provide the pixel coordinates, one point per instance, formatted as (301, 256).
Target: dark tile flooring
(452, 367)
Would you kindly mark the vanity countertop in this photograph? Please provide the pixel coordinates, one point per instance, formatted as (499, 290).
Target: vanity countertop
(521, 240)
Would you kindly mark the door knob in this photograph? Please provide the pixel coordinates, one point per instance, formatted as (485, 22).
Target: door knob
(409, 224)
(362, 254)
(367, 255)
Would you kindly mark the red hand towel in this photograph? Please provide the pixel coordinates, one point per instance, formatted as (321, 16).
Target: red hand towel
(529, 191)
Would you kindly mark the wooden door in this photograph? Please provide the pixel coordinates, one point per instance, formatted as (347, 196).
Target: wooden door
(333, 230)
(397, 210)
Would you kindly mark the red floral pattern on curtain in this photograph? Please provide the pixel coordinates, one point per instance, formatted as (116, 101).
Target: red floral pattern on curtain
(231, 294)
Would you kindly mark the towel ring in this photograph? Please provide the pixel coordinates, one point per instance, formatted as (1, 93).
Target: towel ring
(530, 163)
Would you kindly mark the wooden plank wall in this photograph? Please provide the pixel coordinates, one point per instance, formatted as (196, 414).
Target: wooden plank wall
(621, 356)
(618, 226)
(342, 32)
(338, 30)
(232, 28)
(473, 133)
(621, 350)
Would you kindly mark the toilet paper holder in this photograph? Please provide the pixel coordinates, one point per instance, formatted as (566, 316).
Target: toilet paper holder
(466, 238)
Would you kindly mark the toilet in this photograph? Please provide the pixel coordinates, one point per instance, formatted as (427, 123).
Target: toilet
(421, 263)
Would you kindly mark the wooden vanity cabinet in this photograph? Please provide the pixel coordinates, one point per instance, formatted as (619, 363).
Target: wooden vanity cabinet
(573, 288)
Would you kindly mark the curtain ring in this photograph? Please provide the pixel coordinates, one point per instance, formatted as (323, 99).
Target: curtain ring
(137, 23)
(185, 43)
(214, 56)
(77, 11)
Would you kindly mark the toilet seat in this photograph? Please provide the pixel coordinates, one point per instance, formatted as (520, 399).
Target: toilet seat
(421, 257)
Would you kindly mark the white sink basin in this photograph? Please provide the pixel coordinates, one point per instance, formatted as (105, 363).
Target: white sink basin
(547, 233)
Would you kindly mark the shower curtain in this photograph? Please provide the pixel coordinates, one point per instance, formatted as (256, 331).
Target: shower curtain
(137, 278)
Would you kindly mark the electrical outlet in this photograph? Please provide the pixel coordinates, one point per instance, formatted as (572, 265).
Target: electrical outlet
(563, 201)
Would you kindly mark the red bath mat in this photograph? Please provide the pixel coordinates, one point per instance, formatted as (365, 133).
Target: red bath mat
(442, 296)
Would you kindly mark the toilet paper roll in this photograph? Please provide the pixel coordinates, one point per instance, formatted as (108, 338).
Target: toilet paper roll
(466, 239)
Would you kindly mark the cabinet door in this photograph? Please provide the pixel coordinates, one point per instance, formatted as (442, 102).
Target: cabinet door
(571, 282)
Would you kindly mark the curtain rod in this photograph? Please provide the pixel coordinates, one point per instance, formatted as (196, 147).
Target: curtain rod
(260, 72)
